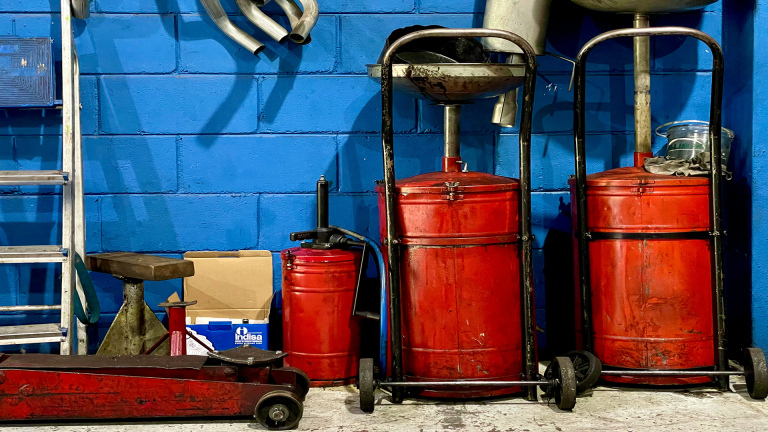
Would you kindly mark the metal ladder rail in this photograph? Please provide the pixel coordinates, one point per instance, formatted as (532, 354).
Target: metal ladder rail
(73, 219)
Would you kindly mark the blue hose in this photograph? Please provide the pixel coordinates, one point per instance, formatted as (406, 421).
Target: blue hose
(383, 311)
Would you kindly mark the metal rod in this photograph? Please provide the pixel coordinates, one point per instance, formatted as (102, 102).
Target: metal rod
(133, 298)
(387, 139)
(670, 373)
(322, 202)
(431, 384)
(29, 308)
(452, 131)
(642, 54)
(715, 127)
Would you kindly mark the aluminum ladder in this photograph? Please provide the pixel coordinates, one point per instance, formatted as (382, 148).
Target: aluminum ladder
(73, 216)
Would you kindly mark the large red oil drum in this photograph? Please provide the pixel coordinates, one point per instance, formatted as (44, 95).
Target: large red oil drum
(651, 297)
(460, 279)
(320, 334)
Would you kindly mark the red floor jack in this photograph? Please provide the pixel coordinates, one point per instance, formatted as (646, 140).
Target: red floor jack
(240, 382)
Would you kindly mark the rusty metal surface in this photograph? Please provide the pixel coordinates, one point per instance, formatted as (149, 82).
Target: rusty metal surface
(247, 355)
(61, 395)
(123, 338)
(140, 266)
(51, 362)
(320, 334)
(643, 6)
(453, 82)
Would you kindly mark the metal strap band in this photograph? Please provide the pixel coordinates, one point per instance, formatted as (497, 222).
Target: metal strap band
(690, 235)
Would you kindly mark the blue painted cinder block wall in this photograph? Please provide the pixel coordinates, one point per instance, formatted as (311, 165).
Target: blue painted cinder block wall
(191, 143)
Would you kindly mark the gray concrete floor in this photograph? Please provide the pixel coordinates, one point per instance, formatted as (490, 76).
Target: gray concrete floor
(607, 409)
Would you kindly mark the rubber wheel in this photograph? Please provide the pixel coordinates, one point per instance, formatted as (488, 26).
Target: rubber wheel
(561, 371)
(302, 381)
(756, 373)
(365, 384)
(588, 369)
(279, 410)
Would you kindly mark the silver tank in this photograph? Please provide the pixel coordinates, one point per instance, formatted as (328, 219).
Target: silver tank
(526, 18)
(643, 6)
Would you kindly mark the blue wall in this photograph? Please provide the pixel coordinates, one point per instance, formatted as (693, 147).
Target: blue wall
(194, 144)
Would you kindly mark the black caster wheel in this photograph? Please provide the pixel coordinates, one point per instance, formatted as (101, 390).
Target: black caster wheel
(365, 384)
(279, 410)
(302, 381)
(756, 373)
(561, 371)
(588, 369)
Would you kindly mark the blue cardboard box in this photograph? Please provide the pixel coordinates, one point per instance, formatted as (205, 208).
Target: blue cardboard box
(224, 335)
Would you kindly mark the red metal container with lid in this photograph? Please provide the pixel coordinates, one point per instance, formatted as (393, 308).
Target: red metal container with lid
(320, 335)
(651, 297)
(460, 279)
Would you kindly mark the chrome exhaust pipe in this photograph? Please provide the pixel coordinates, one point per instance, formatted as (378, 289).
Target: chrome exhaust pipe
(293, 12)
(527, 19)
(217, 14)
(301, 30)
(250, 9)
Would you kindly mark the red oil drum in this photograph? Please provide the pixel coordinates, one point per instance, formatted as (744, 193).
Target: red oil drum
(651, 297)
(320, 335)
(460, 279)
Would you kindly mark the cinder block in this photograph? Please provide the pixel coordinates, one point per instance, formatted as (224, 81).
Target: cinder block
(256, 163)
(328, 104)
(178, 104)
(678, 53)
(177, 223)
(114, 44)
(549, 211)
(458, 6)
(137, 6)
(360, 159)
(206, 49)
(282, 214)
(133, 164)
(365, 6)
(363, 36)
(539, 282)
(552, 159)
(30, 6)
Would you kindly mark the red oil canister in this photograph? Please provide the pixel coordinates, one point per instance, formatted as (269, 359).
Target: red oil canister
(320, 335)
(651, 297)
(461, 297)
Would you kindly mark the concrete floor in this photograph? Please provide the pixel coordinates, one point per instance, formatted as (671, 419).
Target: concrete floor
(607, 409)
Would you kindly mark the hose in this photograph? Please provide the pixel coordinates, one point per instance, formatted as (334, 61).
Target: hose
(383, 329)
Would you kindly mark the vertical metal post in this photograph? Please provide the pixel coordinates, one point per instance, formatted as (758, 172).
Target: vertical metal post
(716, 208)
(526, 234)
(642, 54)
(452, 127)
(177, 329)
(392, 243)
(79, 197)
(133, 297)
(322, 202)
(68, 279)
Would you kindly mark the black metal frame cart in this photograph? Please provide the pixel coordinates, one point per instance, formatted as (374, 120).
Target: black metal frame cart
(560, 380)
(755, 363)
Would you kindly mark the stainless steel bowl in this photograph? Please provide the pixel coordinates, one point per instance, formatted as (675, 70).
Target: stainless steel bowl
(643, 6)
(456, 82)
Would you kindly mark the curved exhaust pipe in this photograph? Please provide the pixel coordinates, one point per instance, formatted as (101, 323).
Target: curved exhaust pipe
(293, 12)
(217, 14)
(250, 9)
(308, 20)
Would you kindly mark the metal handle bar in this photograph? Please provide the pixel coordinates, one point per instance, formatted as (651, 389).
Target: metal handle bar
(387, 138)
(715, 126)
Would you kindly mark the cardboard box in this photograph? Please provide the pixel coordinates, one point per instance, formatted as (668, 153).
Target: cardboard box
(230, 287)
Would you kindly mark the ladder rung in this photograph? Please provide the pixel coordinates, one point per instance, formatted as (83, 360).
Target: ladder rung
(29, 308)
(34, 178)
(32, 254)
(34, 333)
